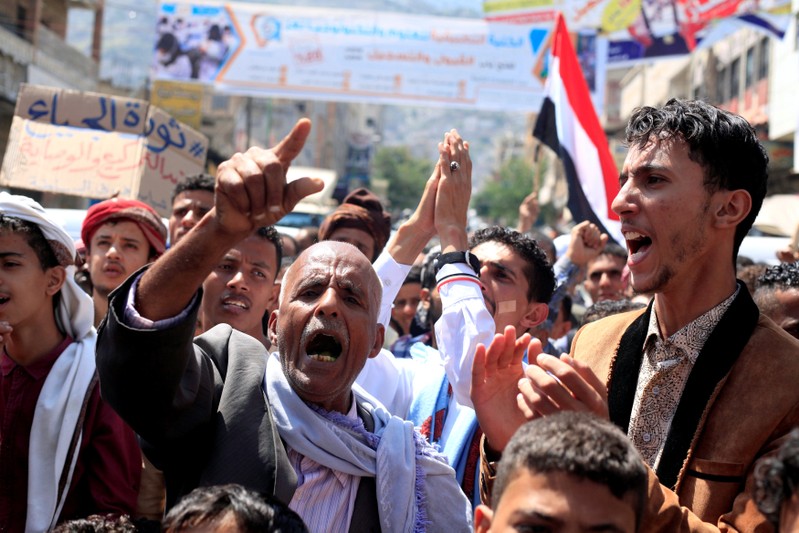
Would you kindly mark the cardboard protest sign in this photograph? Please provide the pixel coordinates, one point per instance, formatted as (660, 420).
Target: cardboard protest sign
(97, 145)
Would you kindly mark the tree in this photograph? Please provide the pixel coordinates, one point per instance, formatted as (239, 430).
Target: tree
(406, 175)
(499, 198)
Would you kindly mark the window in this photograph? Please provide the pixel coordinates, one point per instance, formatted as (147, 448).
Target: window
(750, 67)
(762, 63)
(722, 82)
(735, 78)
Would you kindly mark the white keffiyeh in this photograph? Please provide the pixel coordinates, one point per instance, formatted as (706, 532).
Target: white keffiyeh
(405, 468)
(60, 402)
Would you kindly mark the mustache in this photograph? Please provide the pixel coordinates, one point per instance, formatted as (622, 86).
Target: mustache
(316, 324)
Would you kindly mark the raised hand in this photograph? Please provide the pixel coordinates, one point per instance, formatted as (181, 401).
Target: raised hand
(555, 384)
(586, 242)
(528, 212)
(454, 192)
(251, 188)
(496, 373)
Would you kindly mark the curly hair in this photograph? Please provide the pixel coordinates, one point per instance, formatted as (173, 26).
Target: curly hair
(540, 279)
(777, 478)
(724, 144)
(776, 278)
(782, 276)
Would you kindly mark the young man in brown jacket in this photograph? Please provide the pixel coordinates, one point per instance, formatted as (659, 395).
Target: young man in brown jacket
(703, 384)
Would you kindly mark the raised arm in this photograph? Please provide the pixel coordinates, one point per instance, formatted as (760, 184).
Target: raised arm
(251, 191)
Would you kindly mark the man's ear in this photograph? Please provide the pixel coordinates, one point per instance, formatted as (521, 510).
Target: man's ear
(272, 304)
(536, 313)
(732, 207)
(424, 295)
(56, 276)
(380, 335)
(482, 518)
(273, 329)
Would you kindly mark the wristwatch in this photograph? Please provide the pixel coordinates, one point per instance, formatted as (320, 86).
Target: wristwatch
(458, 257)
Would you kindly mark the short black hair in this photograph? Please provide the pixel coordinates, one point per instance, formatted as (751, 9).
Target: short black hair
(782, 276)
(614, 250)
(428, 272)
(578, 444)
(269, 233)
(197, 182)
(607, 308)
(414, 275)
(33, 235)
(540, 278)
(777, 478)
(723, 143)
(254, 513)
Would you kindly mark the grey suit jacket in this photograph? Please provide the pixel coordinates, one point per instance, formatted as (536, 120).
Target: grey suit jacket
(198, 406)
(200, 409)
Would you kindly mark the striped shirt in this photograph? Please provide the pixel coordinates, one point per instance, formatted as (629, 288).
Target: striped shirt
(324, 498)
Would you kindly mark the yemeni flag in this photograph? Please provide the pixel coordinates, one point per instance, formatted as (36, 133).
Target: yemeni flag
(569, 125)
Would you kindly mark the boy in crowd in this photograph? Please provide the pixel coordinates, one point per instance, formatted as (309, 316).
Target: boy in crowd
(65, 453)
(568, 472)
(121, 236)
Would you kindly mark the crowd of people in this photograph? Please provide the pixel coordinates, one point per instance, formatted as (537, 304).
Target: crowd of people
(215, 375)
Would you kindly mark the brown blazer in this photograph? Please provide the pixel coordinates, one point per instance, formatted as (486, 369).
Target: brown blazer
(739, 403)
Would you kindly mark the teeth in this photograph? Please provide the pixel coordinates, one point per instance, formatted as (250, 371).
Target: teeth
(632, 236)
(237, 304)
(324, 357)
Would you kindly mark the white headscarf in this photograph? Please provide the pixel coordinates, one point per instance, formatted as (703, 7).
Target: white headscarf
(58, 408)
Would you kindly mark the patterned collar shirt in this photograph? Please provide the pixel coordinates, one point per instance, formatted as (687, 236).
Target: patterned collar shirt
(665, 368)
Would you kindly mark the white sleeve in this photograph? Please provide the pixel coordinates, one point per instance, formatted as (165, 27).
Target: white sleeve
(389, 380)
(465, 322)
(391, 275)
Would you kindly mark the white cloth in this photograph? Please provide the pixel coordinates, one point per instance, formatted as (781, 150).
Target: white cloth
(465, 322)
(61, 399)
(393, 463)
(392, 381)
(391, 275)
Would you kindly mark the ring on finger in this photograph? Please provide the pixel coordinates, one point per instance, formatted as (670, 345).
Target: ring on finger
(454, 166)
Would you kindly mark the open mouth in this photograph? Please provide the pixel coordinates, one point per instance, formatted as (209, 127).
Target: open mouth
(4, 299)
(235, 303)
(323, 348)
(637, 243)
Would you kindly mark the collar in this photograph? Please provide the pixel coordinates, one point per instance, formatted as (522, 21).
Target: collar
(39, 369)
(688, 340)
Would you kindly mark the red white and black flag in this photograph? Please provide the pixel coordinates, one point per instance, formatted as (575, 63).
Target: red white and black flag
(569, 125)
